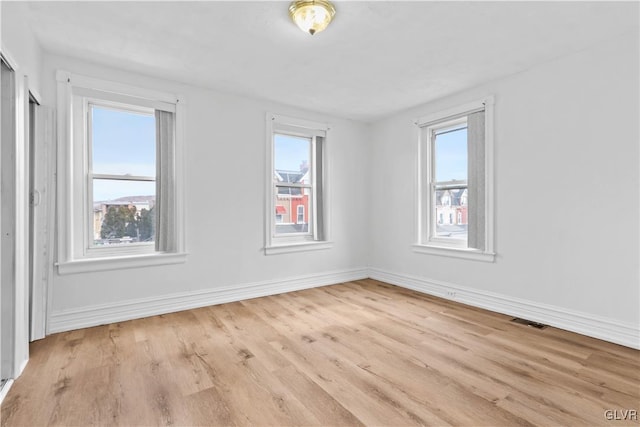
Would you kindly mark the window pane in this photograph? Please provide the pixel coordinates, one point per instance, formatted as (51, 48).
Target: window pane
(292, 159)
(451, 213)
(293, 210)
(123, 142)
(451, 155)
(123, 212)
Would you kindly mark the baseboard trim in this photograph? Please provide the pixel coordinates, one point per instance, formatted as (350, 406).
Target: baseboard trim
(606, 329)
(4, 390)
(67, 320)
(583, 323)
(22, 367)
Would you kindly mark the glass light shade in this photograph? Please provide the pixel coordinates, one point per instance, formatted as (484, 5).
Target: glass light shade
(312, 16)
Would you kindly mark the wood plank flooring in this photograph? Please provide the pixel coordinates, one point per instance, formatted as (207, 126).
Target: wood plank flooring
(359, 353)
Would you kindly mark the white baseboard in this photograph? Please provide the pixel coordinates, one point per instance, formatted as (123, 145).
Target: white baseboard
(4, 390)
(606, 329)
(66, 320)
(22, 366)
(583, 323)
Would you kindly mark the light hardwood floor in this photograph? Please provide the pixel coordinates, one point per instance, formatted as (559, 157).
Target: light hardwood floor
(357, 353)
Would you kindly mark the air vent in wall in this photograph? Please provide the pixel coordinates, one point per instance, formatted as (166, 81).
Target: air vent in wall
(529, 323)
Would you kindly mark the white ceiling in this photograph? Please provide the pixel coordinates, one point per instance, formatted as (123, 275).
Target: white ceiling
(375, 59)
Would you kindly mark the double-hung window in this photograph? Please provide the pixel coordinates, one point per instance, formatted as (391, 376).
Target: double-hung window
(297, 207)
(120, 185)
(455, 182)
(121, 174)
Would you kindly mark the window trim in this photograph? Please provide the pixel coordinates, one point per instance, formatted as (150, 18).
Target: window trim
(431, 131)
(90, 249)
(296, 242)
(445, 247)
(74, 254)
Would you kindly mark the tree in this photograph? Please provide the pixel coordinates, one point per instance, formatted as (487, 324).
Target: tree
(125, 221)
(119, 221)
(147, 224)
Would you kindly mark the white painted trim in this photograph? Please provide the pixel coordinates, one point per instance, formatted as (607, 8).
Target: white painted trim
(599, 327)
(464, 253)
(489, 172)
(451, 113)
(273, 243)
(22, 366)
(73, 208)
(22, 227)
(85, 265)
(49, 164)
(583, 323)
(180, 181)
(107, 99)
(5, 389)
(19, 339)
(424, 220)
(87, 82)
(44, 241)
(297, 247)
(36, 96)
(288, 121)
(63, 196)
(66, 320)
(8, 58)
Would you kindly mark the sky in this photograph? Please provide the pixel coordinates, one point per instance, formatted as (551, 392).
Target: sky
(290, 152)
(451, 155)
(122, 143)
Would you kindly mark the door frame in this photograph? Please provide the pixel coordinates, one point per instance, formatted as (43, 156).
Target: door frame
(8, 205)
(15, 292)
(42, 161)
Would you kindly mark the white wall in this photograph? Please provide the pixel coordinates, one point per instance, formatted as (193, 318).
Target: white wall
(566, 147)
(225, 137)
(20, 45)
(566, 193)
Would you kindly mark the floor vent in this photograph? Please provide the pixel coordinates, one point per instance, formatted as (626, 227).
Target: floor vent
(529, 323)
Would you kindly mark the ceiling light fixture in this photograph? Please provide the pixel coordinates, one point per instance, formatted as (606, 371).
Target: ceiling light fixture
(312, 16)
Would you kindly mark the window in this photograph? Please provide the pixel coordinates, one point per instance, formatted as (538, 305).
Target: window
(455, 182)
(121, 174)
(122, 188)
(297, 206)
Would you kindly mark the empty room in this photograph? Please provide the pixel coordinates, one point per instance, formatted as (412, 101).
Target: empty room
(328, 213)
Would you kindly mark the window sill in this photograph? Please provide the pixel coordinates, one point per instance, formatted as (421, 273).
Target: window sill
(464, 253)
(297, 247)
(89, 265)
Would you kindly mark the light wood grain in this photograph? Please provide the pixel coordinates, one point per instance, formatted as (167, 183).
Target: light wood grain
(358, 353)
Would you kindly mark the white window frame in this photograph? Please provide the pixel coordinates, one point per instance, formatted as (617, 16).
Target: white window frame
(295, 242)
(90, 249)
(76, 252)
(434, 186)
(428, 243)
(298, 214)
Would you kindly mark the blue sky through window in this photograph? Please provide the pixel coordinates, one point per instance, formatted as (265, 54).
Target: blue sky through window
(451, 155)
(291, 151)
(123, 142)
